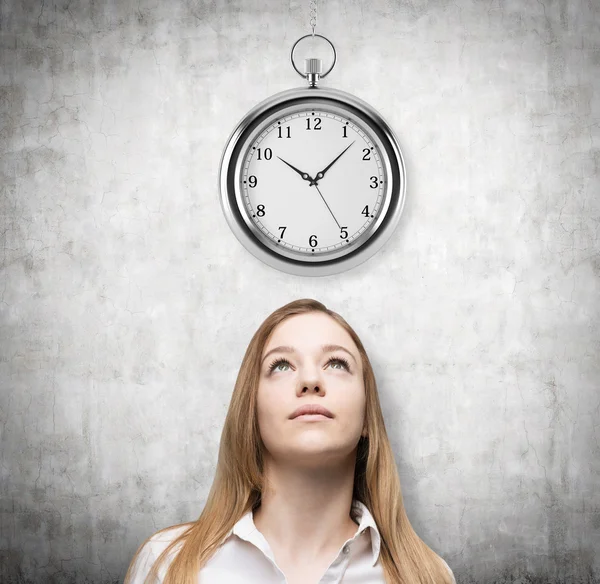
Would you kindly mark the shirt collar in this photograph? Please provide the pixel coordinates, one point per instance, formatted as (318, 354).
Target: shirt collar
(245, 526)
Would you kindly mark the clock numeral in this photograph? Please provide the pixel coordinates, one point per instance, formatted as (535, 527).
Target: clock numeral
(260, 210)
(375, 184)
(252, 180)
(317, 124)
(344, 233)
(345, 135)
(312, 241)
(365, 211)
(288, 132)
(366, 155)
(284, 228)
(268, 154)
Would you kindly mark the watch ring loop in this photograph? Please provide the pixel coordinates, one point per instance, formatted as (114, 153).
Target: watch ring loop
(321, 76)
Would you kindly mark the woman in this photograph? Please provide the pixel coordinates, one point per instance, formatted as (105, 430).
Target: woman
(298, 499)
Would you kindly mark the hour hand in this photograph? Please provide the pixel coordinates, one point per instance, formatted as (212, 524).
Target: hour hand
(304, 175)
(321, 174)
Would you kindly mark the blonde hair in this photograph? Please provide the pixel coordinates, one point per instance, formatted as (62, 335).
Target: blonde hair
(238, 482)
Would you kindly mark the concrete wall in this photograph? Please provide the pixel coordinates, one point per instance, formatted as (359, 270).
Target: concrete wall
(126, 303)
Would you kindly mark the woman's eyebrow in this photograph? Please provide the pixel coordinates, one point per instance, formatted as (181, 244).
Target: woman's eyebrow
(324, 348)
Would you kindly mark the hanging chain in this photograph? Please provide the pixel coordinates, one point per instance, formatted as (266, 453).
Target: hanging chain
(313, 15)
(313, 66)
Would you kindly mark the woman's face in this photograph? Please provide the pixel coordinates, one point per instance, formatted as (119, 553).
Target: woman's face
(310, 375)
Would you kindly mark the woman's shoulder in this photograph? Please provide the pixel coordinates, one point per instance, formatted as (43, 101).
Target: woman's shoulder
(151, 550)
(449, 570)
(168, 534)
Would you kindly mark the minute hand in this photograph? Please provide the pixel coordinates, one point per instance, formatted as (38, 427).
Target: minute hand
(321, 174)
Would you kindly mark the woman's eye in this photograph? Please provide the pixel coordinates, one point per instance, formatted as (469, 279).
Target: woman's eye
(333, 361)
(277, 363)
(341, 362)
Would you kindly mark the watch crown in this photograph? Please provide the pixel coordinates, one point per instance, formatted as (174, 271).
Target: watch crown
(312, 70)
(313, 66)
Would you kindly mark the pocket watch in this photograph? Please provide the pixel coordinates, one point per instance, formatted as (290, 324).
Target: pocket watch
(312, 180)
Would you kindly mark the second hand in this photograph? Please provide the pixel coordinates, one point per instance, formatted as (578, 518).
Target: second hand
(315, 185)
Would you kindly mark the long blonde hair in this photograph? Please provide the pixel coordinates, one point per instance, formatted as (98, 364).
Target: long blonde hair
(238, 482)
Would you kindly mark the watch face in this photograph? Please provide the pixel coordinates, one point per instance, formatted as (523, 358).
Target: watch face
(312, 180)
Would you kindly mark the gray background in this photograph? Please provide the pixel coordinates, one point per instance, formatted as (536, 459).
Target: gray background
(126, 303)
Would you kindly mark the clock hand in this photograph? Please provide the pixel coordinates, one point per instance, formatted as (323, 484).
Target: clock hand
(326, 202)
(321, 174)
(304, 175)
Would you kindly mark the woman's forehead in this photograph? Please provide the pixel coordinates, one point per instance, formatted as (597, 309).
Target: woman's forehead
(308, 329)
(310, 336)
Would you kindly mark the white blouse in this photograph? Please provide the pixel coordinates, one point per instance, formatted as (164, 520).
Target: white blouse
(245, 556)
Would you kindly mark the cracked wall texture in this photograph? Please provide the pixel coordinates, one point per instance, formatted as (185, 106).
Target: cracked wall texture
(126, 303)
